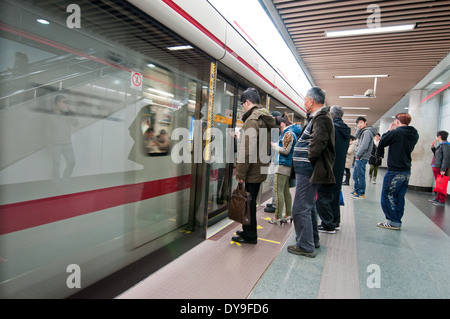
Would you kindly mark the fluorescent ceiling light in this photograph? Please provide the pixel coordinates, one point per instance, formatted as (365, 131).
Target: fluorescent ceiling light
(180, 47)
(43, 21)
(353, 115)
(345, 33)
(356, 97)
(360, 76)
(355, 108)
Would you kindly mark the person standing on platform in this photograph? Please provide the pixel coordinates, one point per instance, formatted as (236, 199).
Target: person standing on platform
(349, 160)
(328, 197)
(374, 160)
(313, 164)
(250, 168)
(441, 163)
(285, 149)
(401, 139)
(270, 208)
(364, 135)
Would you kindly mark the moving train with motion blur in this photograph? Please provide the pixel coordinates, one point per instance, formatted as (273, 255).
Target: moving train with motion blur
(89, 97)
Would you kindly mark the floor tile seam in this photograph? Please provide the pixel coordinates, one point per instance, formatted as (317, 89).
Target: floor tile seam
(335, 247)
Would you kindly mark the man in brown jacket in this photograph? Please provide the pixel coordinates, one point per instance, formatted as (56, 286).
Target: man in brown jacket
(252, 160)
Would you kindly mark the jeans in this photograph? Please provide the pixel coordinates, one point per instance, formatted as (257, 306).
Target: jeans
(395, 185)
(359, 176)
(304, 213)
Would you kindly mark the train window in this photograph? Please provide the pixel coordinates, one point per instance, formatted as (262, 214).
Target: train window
(86, 174)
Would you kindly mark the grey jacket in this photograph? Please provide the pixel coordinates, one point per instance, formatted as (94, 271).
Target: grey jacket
(365, 142)
(442, 156)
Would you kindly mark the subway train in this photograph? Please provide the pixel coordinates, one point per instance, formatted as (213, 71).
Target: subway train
(90, 95)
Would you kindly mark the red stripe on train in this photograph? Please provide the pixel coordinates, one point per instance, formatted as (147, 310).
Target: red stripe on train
(23, 215)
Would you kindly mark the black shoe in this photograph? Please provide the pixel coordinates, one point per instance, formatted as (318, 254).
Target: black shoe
(241, 240)
(270, 209)
(322, 229)
(239, 232)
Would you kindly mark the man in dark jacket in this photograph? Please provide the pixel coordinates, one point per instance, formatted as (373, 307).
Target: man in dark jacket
(328, 197)
(401, 138)
(251, 167)
(313, 164)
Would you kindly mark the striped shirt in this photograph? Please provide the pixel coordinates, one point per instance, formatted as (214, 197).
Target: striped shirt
(302, 165)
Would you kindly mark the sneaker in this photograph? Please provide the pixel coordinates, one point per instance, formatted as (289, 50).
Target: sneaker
(386, 225)
(433, 200)
(338, 227)
(356, 196)
(438, 203)
(297, 251)
(322, 229)
(353, 193)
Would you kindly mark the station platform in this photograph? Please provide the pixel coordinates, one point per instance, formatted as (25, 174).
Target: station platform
(361, 261)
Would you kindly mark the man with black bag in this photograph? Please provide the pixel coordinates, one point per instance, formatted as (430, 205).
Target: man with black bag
(251, 169)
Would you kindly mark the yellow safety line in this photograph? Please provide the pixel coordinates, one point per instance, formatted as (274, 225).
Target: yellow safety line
(270, 241)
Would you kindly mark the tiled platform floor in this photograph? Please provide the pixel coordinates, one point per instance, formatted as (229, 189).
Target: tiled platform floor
(360, 261)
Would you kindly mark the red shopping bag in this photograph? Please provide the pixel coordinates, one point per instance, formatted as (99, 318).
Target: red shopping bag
(441, 184)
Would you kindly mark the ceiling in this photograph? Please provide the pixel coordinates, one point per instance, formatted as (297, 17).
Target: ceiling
(407, 57)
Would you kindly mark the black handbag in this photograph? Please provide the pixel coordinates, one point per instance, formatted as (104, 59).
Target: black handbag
(239, 206)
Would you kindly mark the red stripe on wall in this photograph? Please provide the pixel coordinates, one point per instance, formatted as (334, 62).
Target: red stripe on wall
(446, 86)
(23, 215)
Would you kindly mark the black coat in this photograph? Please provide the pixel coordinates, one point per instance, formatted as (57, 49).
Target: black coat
(374, 159)
(341, 142)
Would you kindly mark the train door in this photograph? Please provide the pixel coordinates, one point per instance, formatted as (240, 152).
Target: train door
(223, 147)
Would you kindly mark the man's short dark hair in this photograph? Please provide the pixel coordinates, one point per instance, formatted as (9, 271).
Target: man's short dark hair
(361, 118)
(252, 95)
(443, 135)
(317, 94)
(59, 98)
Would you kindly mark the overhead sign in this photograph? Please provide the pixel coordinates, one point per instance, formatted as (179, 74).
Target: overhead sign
(136, 81)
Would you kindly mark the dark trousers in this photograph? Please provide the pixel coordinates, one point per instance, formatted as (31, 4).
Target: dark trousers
(250, 232)
(329, 209)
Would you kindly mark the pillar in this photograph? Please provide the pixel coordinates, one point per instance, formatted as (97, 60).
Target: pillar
(384, 126)
(425, 118)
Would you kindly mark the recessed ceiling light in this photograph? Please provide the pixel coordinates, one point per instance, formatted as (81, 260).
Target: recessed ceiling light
(43, 21)
(438, 83)
(180, 47)
(354, 32)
